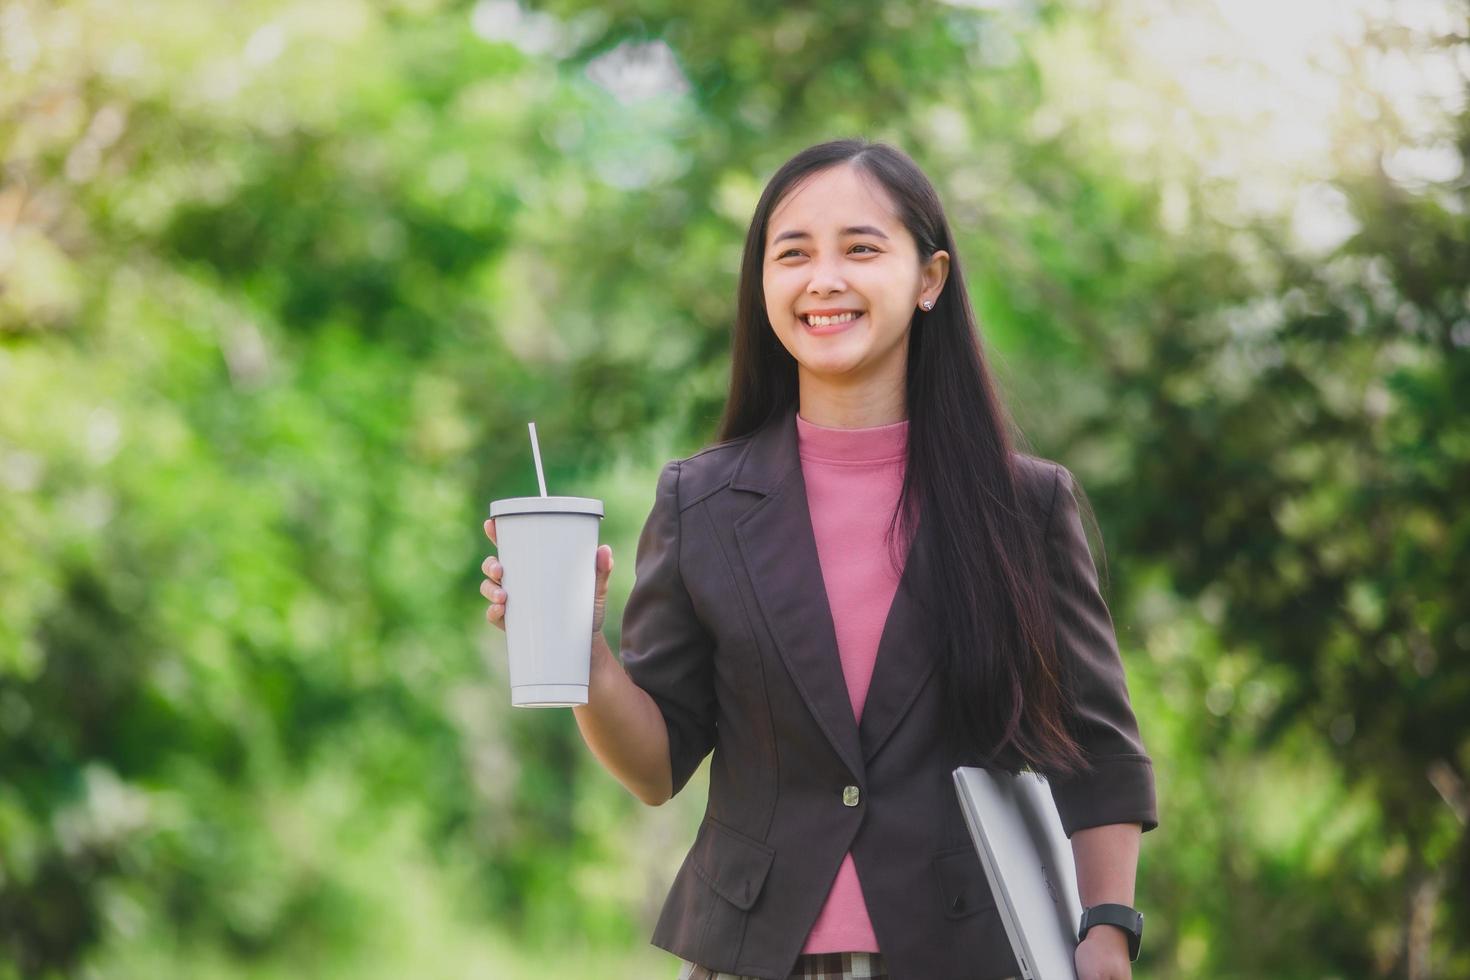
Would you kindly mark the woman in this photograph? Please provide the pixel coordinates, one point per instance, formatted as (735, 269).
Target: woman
(860, 587)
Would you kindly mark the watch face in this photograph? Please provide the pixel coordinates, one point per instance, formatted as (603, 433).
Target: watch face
(1114, 915)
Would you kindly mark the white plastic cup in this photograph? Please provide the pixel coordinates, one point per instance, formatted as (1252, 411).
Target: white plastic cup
(547, 548)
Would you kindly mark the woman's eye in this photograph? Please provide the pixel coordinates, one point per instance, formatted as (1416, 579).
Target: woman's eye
(792, 251)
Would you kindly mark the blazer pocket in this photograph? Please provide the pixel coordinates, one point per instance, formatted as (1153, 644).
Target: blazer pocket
(963, 887)
(733, 865)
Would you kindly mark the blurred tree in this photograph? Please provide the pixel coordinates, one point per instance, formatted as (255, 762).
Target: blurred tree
(1289, 438)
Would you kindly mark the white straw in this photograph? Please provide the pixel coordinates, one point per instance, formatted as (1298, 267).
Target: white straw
(536, 452)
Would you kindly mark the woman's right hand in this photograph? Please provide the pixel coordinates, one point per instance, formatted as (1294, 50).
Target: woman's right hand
(491, 588)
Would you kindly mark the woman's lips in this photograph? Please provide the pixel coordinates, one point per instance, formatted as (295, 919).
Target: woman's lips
(833, 327)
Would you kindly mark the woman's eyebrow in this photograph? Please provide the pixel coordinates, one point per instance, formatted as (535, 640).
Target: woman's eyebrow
(852, 230)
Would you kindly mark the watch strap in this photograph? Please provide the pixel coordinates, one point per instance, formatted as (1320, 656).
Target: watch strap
(1130, 920)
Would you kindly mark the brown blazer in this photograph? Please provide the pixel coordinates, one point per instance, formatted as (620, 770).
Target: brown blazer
(729, 630)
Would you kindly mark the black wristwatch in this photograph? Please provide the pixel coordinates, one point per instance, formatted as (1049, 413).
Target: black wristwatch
(1130, 920)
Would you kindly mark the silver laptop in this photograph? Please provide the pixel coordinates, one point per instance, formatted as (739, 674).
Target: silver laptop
(1028, 859)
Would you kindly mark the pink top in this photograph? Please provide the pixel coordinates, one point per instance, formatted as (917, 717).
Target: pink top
(853, 478)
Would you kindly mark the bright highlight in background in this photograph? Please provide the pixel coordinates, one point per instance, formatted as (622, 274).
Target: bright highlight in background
(1258, 103)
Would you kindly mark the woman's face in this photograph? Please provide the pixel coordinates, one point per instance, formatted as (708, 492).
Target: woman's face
(835, 244)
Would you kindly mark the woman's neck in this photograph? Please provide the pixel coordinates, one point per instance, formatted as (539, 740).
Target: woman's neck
(850, 406)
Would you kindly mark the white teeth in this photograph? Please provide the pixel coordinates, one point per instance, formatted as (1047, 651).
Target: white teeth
(824, 321)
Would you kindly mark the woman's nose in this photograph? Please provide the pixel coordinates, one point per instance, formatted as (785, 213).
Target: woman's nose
(826, 278)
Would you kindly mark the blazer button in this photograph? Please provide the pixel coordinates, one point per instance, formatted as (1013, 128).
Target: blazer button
(850, 796)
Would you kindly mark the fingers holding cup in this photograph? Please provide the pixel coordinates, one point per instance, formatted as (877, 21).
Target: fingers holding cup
(492, 591)
(490, 588)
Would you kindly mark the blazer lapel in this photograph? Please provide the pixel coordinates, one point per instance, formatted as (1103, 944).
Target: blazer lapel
(780, 553)
(904, 663)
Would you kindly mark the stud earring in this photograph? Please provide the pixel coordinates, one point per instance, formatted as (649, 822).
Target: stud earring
(928, 304)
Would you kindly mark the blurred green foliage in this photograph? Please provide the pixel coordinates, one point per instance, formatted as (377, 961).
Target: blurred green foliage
(281, 283)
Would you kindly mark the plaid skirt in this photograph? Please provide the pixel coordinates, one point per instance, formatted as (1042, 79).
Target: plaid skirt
(809, 966)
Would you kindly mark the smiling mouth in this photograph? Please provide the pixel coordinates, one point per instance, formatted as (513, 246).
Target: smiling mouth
(832, 326)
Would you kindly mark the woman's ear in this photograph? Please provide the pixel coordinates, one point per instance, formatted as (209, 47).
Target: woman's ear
(935, 272)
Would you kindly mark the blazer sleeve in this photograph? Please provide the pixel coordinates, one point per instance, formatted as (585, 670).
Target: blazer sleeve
(1119, 785)
(665, 649)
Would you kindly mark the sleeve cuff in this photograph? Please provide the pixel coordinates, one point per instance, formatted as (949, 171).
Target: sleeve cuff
(1117, 789)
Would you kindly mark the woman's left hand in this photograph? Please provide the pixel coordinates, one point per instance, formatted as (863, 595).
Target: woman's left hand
(1103, 955)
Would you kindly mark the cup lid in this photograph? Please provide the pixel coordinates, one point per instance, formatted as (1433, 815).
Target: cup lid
(546, 505)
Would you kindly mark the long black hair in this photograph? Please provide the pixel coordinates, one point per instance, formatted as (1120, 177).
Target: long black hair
(987, 594)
